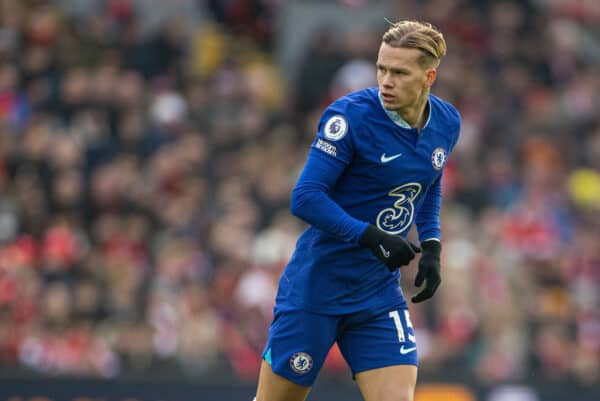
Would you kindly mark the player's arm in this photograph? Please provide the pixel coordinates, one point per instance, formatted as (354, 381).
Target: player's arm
(428, 225)
(328, 158)
(311, 202)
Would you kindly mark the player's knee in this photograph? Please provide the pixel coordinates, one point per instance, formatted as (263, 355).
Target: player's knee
(408, 396)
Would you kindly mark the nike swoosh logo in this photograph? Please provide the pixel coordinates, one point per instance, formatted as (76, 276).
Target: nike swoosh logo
(405, 351)
(385, 252)
(385, 159)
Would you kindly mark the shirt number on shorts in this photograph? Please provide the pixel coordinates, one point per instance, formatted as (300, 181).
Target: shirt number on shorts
(395, 315)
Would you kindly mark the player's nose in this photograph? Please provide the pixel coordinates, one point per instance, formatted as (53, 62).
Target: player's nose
(387, 82)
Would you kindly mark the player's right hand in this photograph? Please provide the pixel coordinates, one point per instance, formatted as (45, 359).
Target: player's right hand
(391, 250)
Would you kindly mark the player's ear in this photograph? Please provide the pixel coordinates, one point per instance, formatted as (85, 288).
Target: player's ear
(431, 75)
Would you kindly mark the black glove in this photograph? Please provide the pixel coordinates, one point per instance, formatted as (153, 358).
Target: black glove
(429, 270)
(393, 251)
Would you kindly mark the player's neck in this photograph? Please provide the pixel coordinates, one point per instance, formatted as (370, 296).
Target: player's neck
(417, 114)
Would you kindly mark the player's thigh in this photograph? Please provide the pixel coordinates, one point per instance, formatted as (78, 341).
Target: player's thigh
(272, 387)
(380, 347)
(391, 383)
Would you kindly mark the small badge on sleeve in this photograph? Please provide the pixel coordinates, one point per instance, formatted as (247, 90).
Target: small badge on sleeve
(335, 128)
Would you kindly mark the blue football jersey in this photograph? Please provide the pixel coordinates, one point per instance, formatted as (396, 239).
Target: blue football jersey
(365, 166)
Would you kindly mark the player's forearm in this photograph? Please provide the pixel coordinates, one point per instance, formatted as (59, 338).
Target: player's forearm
(312, 204)
(428, 217)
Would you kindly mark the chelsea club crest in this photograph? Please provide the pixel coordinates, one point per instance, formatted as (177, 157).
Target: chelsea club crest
(301, 363)
(438, 158)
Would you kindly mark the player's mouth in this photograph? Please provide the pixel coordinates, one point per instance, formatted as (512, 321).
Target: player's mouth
(387, 97)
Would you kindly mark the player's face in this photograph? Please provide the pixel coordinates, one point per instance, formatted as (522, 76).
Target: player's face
(402, 81)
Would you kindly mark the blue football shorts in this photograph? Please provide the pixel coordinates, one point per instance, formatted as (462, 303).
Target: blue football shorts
(299, 341)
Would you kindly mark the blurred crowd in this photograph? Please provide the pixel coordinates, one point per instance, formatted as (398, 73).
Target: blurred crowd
(145, 177)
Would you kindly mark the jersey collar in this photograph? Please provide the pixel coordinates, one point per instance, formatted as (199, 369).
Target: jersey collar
(395, 117)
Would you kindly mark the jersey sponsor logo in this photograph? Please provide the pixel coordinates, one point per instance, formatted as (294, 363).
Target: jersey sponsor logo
(399, 217)
(386, 159)
(326, 147)
(301, 363)
(405, 351)
(438, 158)
(335, 128)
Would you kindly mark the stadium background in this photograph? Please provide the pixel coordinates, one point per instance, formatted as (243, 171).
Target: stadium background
(147, 153)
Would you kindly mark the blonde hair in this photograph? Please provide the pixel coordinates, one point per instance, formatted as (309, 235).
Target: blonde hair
(418, 35)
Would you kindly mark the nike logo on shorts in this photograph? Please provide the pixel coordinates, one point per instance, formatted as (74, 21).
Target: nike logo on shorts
(405, 351)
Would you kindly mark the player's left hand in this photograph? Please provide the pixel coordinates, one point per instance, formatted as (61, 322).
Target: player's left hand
(429, 270)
